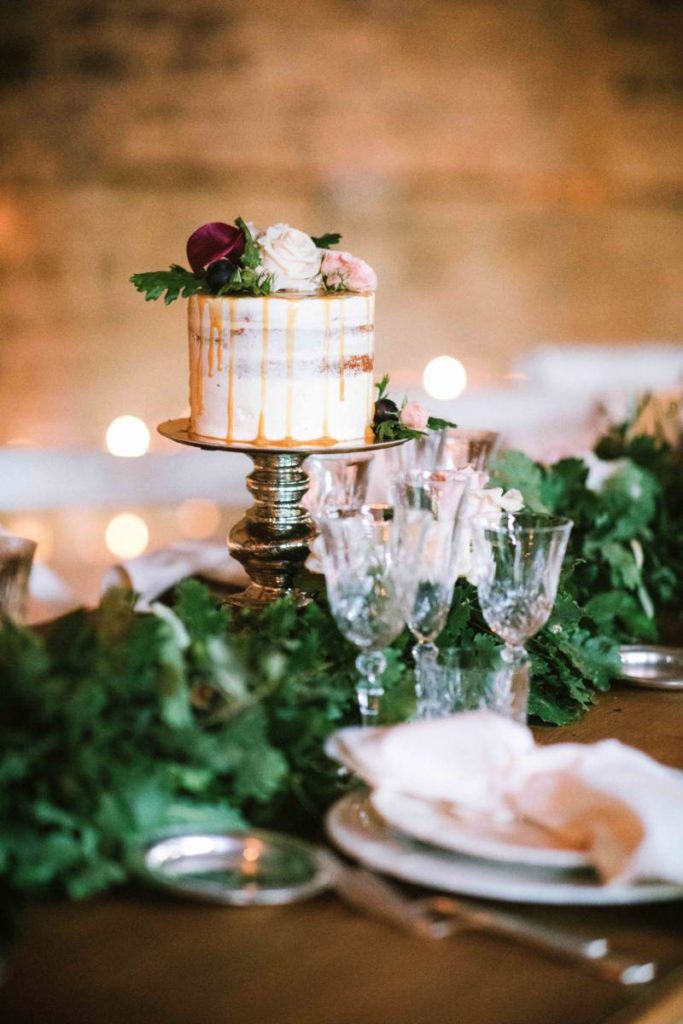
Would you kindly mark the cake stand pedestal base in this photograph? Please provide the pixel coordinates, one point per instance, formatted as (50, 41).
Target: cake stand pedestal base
(272, 540)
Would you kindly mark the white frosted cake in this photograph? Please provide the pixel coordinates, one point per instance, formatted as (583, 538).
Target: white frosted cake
(281, 333)
(285, 369)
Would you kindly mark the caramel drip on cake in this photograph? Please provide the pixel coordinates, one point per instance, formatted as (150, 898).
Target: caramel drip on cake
(232, 341)
(215, 331)
(261, 433)
(342, 378)
(196, 382)
(220, 339)
(292, 442)
(326, 410)
(291, 337)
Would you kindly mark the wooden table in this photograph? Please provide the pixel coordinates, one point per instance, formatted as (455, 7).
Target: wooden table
(142, 959)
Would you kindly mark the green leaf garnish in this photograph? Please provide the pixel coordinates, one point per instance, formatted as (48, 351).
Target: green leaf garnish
(382, 386)
(326, 241)
(176, 282)
(435, 423)
(246, 279)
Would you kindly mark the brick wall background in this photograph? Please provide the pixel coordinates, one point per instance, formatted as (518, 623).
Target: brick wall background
(510, 167)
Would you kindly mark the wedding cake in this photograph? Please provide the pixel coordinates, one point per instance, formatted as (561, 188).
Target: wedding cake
(281, 335)
(282, 369)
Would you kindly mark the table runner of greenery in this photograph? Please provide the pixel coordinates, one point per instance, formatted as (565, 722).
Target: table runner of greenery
(114, 724)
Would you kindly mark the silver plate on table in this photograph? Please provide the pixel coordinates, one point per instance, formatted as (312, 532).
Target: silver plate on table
(654, 667)
(236, 868)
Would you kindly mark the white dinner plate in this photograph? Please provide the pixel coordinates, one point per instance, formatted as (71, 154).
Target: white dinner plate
(353, 826)
(478, 835)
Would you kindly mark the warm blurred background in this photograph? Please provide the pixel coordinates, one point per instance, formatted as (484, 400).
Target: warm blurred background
(511, 169)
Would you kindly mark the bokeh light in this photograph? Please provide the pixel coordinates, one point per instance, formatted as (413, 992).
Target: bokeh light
(128, 437)
(444, 377)
(198, 518)
(126, 535)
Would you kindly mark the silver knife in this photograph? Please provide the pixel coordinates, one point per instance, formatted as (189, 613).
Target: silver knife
(595, 953)
(438, 917)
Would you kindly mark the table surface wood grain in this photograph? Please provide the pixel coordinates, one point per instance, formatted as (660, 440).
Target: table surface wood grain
(139, 958)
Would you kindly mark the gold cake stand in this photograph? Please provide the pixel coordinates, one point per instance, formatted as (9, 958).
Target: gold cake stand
(272, 540)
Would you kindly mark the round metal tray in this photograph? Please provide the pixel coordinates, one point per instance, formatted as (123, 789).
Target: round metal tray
(236, 868)
(652, 666)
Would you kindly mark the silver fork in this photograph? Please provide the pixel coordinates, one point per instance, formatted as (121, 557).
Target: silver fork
(438, 917)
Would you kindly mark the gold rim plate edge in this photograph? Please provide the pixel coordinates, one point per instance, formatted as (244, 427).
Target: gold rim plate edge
(177, 430)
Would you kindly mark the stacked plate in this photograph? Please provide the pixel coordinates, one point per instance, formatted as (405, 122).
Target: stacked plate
(426, 843)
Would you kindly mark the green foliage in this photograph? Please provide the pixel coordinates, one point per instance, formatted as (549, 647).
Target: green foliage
(327, 240)
(248, 278)
(392, 429)
(436, 423)
(176, 282)
(625, 555)
(115, 724)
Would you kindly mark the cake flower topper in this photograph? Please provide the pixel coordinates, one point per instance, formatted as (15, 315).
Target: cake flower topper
(407, 423)
(214, 242)
(238, 259)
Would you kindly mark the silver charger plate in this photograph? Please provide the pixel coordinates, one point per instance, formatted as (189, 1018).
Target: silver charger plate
(651, 666)
(236, 868)
(361, 834)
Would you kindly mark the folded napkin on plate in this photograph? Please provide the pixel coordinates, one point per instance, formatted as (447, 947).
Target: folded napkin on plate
(624, 809)
(150, 575)
(464, 759)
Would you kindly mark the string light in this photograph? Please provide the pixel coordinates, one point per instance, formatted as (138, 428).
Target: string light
(127, 437)
(126, 535)
(444, 377)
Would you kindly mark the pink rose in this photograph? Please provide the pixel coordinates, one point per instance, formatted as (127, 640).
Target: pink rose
(213, 242)
(414, 416)
(343, 269)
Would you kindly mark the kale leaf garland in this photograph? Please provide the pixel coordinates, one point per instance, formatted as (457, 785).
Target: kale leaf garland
(115, 723)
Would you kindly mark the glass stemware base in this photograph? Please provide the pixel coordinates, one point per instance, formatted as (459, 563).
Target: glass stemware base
(369, 689)
(517, 695)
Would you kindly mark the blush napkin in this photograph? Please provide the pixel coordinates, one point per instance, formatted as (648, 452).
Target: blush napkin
(150, 575)
(613, 802)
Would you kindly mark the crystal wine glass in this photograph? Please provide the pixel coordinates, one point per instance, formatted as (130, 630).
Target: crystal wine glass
(368, 564)
(423, 453)
(336, 482)
(518, 561)
(436, 502)
(467, 448)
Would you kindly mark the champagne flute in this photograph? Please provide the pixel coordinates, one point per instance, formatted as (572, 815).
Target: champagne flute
(518, 562)
(368, 565)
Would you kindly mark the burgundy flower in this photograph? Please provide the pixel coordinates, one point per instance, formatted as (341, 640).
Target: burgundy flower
(213, 242)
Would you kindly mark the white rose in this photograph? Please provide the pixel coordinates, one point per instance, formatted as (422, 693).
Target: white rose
(291, 256)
